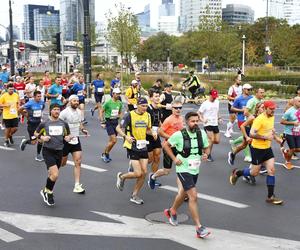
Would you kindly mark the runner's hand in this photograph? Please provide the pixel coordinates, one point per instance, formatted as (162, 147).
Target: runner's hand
(248, 140)
(129, 139)
(177, 161)
(68, 138)
(204, 157)
(85, 132)
(154, 134)
(45, 138)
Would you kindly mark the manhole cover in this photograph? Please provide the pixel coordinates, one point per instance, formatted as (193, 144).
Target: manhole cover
(159, 217)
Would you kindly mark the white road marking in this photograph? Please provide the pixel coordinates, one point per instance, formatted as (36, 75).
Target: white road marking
(8, 236)
(88, 167)
(281, 164)
(15, 137)
(6, 148)
(131, 227)
(210, 198)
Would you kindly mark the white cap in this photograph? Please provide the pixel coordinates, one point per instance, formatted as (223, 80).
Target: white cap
(76, 71)
(73, 97)
(116, 91)
(137, 73)
(134, 82)
(247, 86)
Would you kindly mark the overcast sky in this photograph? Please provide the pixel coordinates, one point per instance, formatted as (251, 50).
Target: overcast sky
(102, 6)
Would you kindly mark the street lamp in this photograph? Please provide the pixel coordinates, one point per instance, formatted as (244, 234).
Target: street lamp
(11, 47)
(243, 55)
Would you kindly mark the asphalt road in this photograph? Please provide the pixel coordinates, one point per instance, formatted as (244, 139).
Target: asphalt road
(237, 215)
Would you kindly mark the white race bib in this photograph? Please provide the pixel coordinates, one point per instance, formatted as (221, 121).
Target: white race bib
(59, 97)
(80, 93)
(154, 129)
(21, 94)
(194, 164)
(65, 87)
(100, 90)
(114, 113)
(37, 113)
(296, 129)
(13, 111)
(74, 141)
(140, 144)
(55, 130)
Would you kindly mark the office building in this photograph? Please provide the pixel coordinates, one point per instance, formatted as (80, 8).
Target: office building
(237, 13)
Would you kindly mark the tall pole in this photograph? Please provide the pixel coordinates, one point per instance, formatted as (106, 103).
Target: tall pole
(62, 42)
(11, 43)
(87, 45)
(267, 25)
(243, 56)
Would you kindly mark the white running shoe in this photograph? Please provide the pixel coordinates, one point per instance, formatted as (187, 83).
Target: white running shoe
(248, 159)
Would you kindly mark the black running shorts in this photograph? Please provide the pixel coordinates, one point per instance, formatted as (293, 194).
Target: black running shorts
(259, 156)
(136, 155)
(293, 141)
(187, 180)
(70, 148)
(52, 157)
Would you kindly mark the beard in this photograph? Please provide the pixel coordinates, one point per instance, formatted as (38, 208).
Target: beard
(74, 106)
(194, 128)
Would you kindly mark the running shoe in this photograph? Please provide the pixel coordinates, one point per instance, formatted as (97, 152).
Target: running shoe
(250, 179)
(157, 184)
(120, 182)
(23, 144)
(295, 157)
(108, 157)
(92, 111)
(209, 158)
(288, 165)
(231, 158)
(151, 182)
(39, 158)
(104, 158)
(263, 170)
(202, 232)
(2, 127)
(275, 201)
(285, 153)
(227, 134)
(135, 199)
(171, 217)
(84, 122)
(78, 189)
(248, 159)
(6, 143)
(11, 140)
(233, 177)
(47, 197)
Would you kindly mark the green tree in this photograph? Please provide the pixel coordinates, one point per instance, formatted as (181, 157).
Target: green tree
(123, 31)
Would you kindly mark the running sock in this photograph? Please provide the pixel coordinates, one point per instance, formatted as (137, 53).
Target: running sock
(247, 151)
(270, 185)
(50, 184)
(229, 126)
(28, 142)
(238, 140)
(246, 172)
(39, 148)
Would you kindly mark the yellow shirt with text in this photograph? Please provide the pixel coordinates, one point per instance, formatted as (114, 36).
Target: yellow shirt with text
(10, 112)
(264, 126)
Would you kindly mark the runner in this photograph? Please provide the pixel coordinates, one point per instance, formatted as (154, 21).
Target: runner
(115, 83)
(154, 146)
(9, 101)
(171, 125)
(30, 88)
(166, 100)
(233, 92)
(157, 85)
(131, 95)
(191, 145)
(33, 110)
(136, 124)
(239, 106)
(262, 132)
(109, 116)
(19, 85)
(292, 131)
(55, 93)
(209, 116)
(72, 116)
(42, 89)
(79, 90)
(65, 86)
(193, 83)
(52, 133)
(99, 88)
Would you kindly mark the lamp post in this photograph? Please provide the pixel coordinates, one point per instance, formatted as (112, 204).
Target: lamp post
(11, 47)
(243, 55)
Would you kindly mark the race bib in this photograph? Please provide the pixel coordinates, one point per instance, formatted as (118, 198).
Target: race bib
(37, 113)
(114, 113)
(194, 164)
(169, 106)
(74, 125)
(80, 93)
(74, 141)
(100, 90)
(296, 130)
(65, 87)
(13, 111)
(141, 144)
(21, 94)
(212, 120)
(55, 130)
(154, 129)
(59, 97)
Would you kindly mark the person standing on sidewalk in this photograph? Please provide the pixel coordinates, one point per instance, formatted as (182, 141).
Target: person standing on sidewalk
(192, 146)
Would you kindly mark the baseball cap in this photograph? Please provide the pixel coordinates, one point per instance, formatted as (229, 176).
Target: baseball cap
(134, 82)
(4, 67)
(73, 97)
(168, 85)
(214, 93)
(142, 100)
(137, 73)
(116, 91)
(247, 86)
(270, 104)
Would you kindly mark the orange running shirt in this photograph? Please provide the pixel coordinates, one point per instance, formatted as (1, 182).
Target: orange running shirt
(172, 124)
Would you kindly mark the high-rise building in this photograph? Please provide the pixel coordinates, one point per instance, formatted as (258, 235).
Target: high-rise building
(72, 20)
(16, 33)
(192, 10)
(287, 9)
(167, 21)
(30, 12)
(237, 13)
(167, 8)
(276, 8)
(144, 17)
(45, 24)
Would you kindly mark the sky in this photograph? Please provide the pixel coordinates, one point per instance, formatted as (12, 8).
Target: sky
(102, 6)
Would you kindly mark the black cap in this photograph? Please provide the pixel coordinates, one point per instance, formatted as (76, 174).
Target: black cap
(168, 85)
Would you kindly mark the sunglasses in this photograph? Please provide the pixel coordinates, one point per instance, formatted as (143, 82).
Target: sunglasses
(178, 108)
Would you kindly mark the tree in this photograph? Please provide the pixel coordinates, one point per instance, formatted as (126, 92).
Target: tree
(123, 31)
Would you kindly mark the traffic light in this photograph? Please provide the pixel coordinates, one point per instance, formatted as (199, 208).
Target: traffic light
(57, 43)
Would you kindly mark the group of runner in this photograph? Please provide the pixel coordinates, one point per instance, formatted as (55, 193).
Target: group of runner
(151, 126)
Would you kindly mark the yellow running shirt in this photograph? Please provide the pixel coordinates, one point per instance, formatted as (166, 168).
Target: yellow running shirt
(12, 111)
(264, 126)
